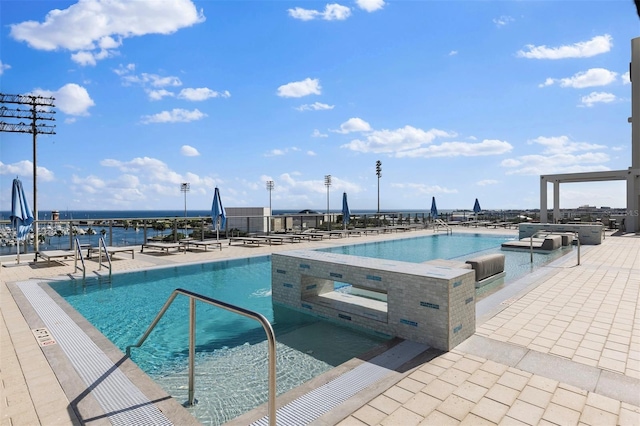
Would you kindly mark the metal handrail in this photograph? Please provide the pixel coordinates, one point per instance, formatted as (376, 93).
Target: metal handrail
(192, 340)
(78, 251)
(103, 246)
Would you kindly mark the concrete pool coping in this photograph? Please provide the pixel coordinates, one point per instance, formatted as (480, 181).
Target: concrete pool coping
(357, 404)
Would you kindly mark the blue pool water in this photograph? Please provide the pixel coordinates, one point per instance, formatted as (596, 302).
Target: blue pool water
(231, 350)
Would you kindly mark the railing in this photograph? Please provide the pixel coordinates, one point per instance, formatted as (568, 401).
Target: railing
(102, 246)
(439, 223)
(192, 341)
(77, 252)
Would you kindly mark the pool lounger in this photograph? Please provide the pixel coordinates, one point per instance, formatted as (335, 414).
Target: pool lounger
(247, 240)
(162, 246)
(204, 244)
(56, 255)
(112, 250)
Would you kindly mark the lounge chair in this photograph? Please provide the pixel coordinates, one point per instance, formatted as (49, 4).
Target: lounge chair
(163, 246)
(202, 244)
(54, 255)
(112, 250)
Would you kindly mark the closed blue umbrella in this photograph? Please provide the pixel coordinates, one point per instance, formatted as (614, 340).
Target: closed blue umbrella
(217, 212)
(346, 214)
(21, 216)
(476, 208)
(434, 209)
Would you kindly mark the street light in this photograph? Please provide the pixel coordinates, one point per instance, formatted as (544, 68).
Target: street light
(327, 183)
(379, 174)
(270, 186)
(184, 187)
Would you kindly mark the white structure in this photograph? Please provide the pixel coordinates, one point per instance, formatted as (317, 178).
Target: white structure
(631, 175)
(248, 219)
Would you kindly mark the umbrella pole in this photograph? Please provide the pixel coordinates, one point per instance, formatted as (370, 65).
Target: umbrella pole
(18, 247)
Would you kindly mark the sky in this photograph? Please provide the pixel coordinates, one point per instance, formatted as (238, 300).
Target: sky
(458, 100)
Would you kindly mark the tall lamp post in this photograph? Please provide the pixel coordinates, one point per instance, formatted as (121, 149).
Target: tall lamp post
(327, 183)
(379, 174)
(270, 186)
(184, 187)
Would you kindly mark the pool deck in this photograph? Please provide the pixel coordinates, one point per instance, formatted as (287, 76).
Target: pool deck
(561, 346)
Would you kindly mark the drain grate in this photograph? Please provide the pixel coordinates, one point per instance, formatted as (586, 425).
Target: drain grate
(319, 401)
(121, 400)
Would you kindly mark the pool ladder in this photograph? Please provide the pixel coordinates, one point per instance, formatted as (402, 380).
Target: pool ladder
(77, 253)
(192, 341)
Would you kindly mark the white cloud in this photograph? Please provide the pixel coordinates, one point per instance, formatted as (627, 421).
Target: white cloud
(275, 152)
(486, 182)
(201, 94)
(317, 134)
(316, 106)
(25, 168)
(597, 98)
(71, 99)
(453, 53)
(311, 153)
(590, 78)
(153, 80)
(354, 125)
(124, 69)
(189, 151)
(563, 145)
(151, 169)
(156, 95)
(331, 12)
(502, 20)
(390, 141)
(370, 5)
(560, 155)
(422, 188)
(3, 67)
(298, 89)
(626, 78)
(176, 115)
(457, 149)
(93, 28)
(583, 49)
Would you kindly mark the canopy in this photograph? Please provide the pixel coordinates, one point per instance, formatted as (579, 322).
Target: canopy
(21, 216)
(346, 214)
(434, 209)
(217, 212)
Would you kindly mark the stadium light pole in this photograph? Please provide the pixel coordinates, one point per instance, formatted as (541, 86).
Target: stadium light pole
(379, 174)
(327, 183)
(270, 186)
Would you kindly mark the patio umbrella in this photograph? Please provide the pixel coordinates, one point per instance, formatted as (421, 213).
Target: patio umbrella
(434, 209)
(346, 214)
(21, 216)
(476, 208)
(217, 212)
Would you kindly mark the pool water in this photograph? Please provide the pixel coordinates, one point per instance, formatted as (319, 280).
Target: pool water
(231, 365)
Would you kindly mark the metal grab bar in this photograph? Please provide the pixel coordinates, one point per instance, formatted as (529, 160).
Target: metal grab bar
(103, 246)
(192, 340)
(78, 251)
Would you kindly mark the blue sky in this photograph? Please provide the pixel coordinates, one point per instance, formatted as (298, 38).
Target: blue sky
(457, 99)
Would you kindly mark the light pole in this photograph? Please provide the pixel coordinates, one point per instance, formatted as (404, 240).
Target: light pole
(379, 174)
(327, 183)
(184, 187)
(270, 186)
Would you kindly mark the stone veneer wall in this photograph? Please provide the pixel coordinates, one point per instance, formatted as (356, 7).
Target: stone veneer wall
(589, 234)
(429, 304)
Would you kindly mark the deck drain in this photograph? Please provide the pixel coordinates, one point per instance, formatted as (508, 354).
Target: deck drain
(43, 336)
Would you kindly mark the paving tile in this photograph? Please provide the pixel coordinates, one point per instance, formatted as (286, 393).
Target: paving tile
(438, 418)
(483, 378)
(543, 383)
(467, 365)
(628, 417)
(352, 421)
(603, 403)
(596, 417)
(494, 367)
(512, 380)
(422, 404)
(385, 404)
(525, 412)
(490, 410)
(454, 376)
(470, 391)
(456, 407)
(502, 394)
(612, 364)
(560, 415)
(433, 369)
(569, 399)
(439, 389)
(535, 396)
(474, 420)
(410, 384)
(441, 362)
(422, 377)
(398, 394)
(402, 416)
(369, 415)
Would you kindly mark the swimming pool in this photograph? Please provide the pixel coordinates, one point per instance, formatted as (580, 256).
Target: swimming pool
(231, 365)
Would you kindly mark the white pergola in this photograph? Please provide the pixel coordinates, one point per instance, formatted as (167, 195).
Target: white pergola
(631, 175)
